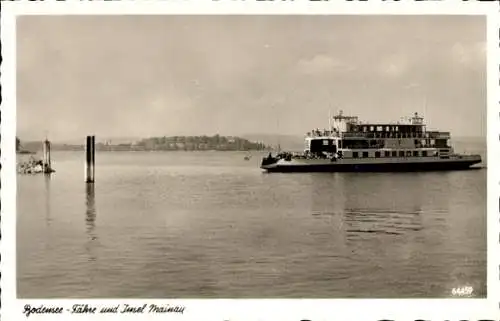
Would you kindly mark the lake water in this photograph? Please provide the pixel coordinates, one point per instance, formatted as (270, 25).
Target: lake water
(209, 224)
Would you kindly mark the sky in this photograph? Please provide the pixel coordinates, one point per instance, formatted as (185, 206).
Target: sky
(143, 76)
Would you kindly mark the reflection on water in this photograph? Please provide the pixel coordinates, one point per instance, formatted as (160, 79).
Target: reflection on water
(90, 218)
(360, 203)
(212, 225)
(381, 221)
(90, 213)
(406, 223)
(47, 199)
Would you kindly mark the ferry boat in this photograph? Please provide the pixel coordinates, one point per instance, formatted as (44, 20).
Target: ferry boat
(353, 146)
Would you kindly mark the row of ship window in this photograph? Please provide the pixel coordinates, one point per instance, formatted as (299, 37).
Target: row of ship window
(381, 128)
(388, 134)
(400, 153)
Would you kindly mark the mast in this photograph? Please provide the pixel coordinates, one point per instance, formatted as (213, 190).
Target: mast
(277, 127)
(425, 103)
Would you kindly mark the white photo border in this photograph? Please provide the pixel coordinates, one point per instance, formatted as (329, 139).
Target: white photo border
(255, 309)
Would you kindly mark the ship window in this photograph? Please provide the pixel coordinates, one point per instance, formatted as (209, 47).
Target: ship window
(415, 153)
(364, 128)
(354, 154)
(377, 154)
(365, 154)
(371, 128)
(424, 153)
(408, 153)
(325, 142)
(397, 128)
(401, 153)
(379, 128)
(394, 154)
(387, 128)
(387, 154)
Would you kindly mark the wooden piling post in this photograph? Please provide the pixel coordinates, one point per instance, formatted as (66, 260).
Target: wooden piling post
(90, 160)
(47, 164)
(93, 158)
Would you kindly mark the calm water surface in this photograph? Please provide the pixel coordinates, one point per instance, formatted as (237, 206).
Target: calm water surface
(209, 224)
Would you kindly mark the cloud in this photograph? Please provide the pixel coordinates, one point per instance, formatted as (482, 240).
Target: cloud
(394, 66)
(468, 53)
(412, 85)
(320, 64)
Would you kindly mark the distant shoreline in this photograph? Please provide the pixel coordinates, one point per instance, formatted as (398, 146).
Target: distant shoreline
(173, 143)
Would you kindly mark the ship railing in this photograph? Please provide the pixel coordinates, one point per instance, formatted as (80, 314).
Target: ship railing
(324, 133)
(438, 135)
(398, 135)
(382, 135)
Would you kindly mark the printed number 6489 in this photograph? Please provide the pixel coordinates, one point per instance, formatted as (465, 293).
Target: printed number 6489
(462, 291)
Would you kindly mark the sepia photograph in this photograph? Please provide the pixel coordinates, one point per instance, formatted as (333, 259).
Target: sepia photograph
(251, 156)
(258, 156)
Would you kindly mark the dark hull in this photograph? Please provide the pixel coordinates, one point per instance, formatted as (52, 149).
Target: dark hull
(387, 167)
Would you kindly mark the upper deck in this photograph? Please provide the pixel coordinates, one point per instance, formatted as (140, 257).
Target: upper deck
(349, 127)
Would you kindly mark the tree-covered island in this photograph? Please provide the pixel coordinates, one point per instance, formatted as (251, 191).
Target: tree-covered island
(193, 143)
